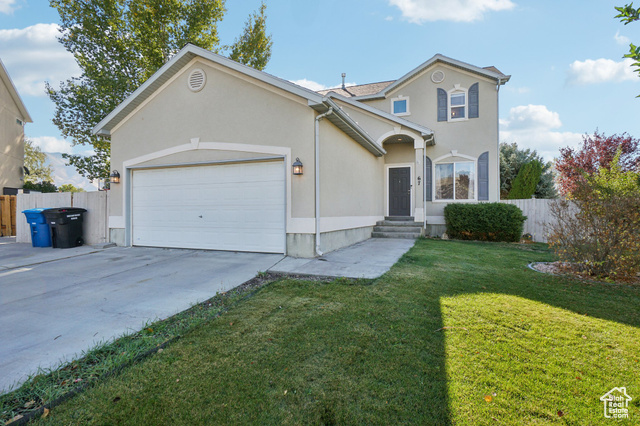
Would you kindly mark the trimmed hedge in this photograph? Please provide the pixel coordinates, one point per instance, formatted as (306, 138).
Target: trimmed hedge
(484, 222)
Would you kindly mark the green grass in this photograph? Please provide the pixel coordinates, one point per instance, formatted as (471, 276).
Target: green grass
(451, 324)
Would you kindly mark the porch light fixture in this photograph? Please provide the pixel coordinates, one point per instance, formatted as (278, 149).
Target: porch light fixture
(114, 177)
(297, 167)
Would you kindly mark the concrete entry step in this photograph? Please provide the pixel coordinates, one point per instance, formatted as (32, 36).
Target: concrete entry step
(400, 218)
(404, 228)
(398, 223)
(408, 235)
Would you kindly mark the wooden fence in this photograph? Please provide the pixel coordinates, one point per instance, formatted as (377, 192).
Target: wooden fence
(7, 215)
(538, 216)
(94, 226)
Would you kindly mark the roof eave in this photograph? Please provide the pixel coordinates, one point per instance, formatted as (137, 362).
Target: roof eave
(425, 132)
(345, 123)
(436, 58)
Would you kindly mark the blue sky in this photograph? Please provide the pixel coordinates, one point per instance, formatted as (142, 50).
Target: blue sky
(565, 57)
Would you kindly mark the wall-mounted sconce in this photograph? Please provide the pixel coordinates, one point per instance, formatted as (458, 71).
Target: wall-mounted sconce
(419, 179)
(297, 167)
(114, 177)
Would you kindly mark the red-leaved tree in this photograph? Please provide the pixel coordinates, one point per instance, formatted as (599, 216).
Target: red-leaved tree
(596, 151)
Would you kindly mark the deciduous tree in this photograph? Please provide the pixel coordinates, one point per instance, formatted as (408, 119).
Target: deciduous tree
(629, 14)
(119, 44)
(35, 162)
(68, 187)
(596, 152)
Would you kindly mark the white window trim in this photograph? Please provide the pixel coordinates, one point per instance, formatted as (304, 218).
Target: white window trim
(401, 98)
(433, 176)
(386, 185)
(458, 88)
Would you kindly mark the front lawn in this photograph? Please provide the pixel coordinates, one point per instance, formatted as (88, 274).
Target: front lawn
(456, 333)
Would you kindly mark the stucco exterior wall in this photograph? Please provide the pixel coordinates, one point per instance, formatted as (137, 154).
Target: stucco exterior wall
(235, 117)
(352, 179)
(11, 141)
(230, 109)
(470, 137)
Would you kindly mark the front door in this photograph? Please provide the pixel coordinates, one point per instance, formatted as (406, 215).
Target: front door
(400, 191)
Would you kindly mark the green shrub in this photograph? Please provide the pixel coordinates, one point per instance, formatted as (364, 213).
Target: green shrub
(484, 222)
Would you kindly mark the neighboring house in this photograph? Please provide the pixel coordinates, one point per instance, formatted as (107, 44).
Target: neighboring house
(206, 147)
(13, 116)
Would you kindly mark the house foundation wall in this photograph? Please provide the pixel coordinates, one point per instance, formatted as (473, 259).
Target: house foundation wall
(303, 245)
(298, 245)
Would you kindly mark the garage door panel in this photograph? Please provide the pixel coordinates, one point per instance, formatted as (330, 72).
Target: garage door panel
(238, 207)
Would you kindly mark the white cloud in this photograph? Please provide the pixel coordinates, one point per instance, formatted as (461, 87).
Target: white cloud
(7, 6)
(620, 39)
(534, 127)
(601, 71)
(419, 11)
(52, 144)
(309, 84)
(33, 55)
(388, 18)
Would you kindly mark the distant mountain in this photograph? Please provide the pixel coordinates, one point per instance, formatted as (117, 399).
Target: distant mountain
(63, 174)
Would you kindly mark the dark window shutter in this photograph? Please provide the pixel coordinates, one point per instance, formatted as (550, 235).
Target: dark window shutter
(428, 172)
(483, 177)
(442, 105)
(474, 109)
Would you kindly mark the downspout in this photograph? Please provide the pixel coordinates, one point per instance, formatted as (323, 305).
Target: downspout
(424, 187)
(317, 176)
(498, 131)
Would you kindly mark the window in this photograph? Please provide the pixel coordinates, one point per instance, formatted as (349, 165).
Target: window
(455, 181)
(458, 104)
(400, 105)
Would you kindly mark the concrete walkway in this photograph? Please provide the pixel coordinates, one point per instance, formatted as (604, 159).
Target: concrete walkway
(367, 259)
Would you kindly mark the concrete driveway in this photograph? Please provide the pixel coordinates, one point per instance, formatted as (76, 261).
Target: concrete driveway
(56, 303)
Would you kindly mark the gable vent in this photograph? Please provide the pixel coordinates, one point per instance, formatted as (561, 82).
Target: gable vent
(437, 76)
(197, 80)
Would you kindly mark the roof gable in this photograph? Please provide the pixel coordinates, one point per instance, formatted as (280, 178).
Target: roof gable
(4, 75)
(489, 72)
(174, 66)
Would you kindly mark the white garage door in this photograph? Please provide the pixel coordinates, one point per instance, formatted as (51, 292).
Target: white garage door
(239, 207)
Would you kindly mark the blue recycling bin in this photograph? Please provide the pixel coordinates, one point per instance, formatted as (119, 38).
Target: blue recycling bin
(40, 234)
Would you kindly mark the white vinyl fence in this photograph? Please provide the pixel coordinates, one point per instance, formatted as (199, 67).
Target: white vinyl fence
(538, 216)
(94, 225)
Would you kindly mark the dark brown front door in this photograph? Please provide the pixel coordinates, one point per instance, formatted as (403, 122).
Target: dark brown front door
(400, 191)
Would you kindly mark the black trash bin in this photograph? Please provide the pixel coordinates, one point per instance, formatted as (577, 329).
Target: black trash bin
(65, 224)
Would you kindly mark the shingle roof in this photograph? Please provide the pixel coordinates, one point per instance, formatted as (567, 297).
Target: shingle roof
(359, 90)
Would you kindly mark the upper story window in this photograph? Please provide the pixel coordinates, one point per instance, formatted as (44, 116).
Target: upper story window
(458, 103)
(400, 105)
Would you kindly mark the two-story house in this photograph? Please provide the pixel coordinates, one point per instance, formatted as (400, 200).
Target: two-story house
(13, 116)
(212, 154)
